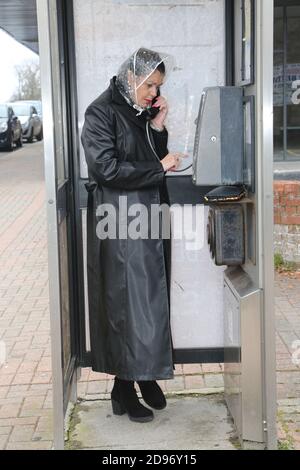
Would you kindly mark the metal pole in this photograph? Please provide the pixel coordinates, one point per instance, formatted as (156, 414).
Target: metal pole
(48, 91)
(264, 123)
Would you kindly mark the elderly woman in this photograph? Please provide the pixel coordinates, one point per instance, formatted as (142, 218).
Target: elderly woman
(125, 143)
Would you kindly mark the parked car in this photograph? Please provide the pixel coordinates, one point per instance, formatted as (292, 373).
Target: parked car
(10, 128)
(32, 125)
(38, 106)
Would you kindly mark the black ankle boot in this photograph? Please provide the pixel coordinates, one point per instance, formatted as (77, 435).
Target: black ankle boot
(152, 394)
(125, 400)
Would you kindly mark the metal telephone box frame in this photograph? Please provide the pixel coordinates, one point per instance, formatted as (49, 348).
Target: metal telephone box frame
(58, 72)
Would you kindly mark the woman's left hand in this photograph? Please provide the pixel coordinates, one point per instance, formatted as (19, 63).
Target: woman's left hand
(162, 104)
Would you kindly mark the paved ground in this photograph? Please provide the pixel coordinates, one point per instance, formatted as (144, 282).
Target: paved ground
(25, 388)
(25, 376)
(188, 423)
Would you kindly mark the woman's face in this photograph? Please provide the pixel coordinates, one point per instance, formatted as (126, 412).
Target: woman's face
(148, 90)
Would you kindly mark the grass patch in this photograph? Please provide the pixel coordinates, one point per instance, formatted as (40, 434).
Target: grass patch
(287, 443)
(283, 266)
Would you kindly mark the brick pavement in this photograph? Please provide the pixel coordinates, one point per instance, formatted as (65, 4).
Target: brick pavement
(25, 377)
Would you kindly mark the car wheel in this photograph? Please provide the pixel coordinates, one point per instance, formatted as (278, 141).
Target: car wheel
(20, 141)
(40, 135)
(30, 139)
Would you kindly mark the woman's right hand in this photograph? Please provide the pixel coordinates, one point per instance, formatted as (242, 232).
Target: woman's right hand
(172, 161)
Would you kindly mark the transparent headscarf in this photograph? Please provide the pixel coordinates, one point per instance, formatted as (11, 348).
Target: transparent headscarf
(137, 69)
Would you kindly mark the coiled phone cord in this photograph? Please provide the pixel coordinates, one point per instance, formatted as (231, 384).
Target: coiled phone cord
(154, 151)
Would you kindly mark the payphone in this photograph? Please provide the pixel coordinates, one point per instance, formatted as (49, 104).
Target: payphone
(218, 149)
(219, 160)
(223, 144)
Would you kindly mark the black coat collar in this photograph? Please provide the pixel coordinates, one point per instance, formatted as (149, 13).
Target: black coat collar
(125, 108)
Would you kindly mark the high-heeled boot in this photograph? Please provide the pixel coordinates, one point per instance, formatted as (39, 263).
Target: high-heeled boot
(152, 394)
(124, 399)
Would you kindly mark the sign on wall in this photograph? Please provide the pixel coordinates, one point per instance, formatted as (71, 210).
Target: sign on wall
(292, 75)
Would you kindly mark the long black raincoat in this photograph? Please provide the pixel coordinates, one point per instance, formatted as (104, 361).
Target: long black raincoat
(128, 280)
